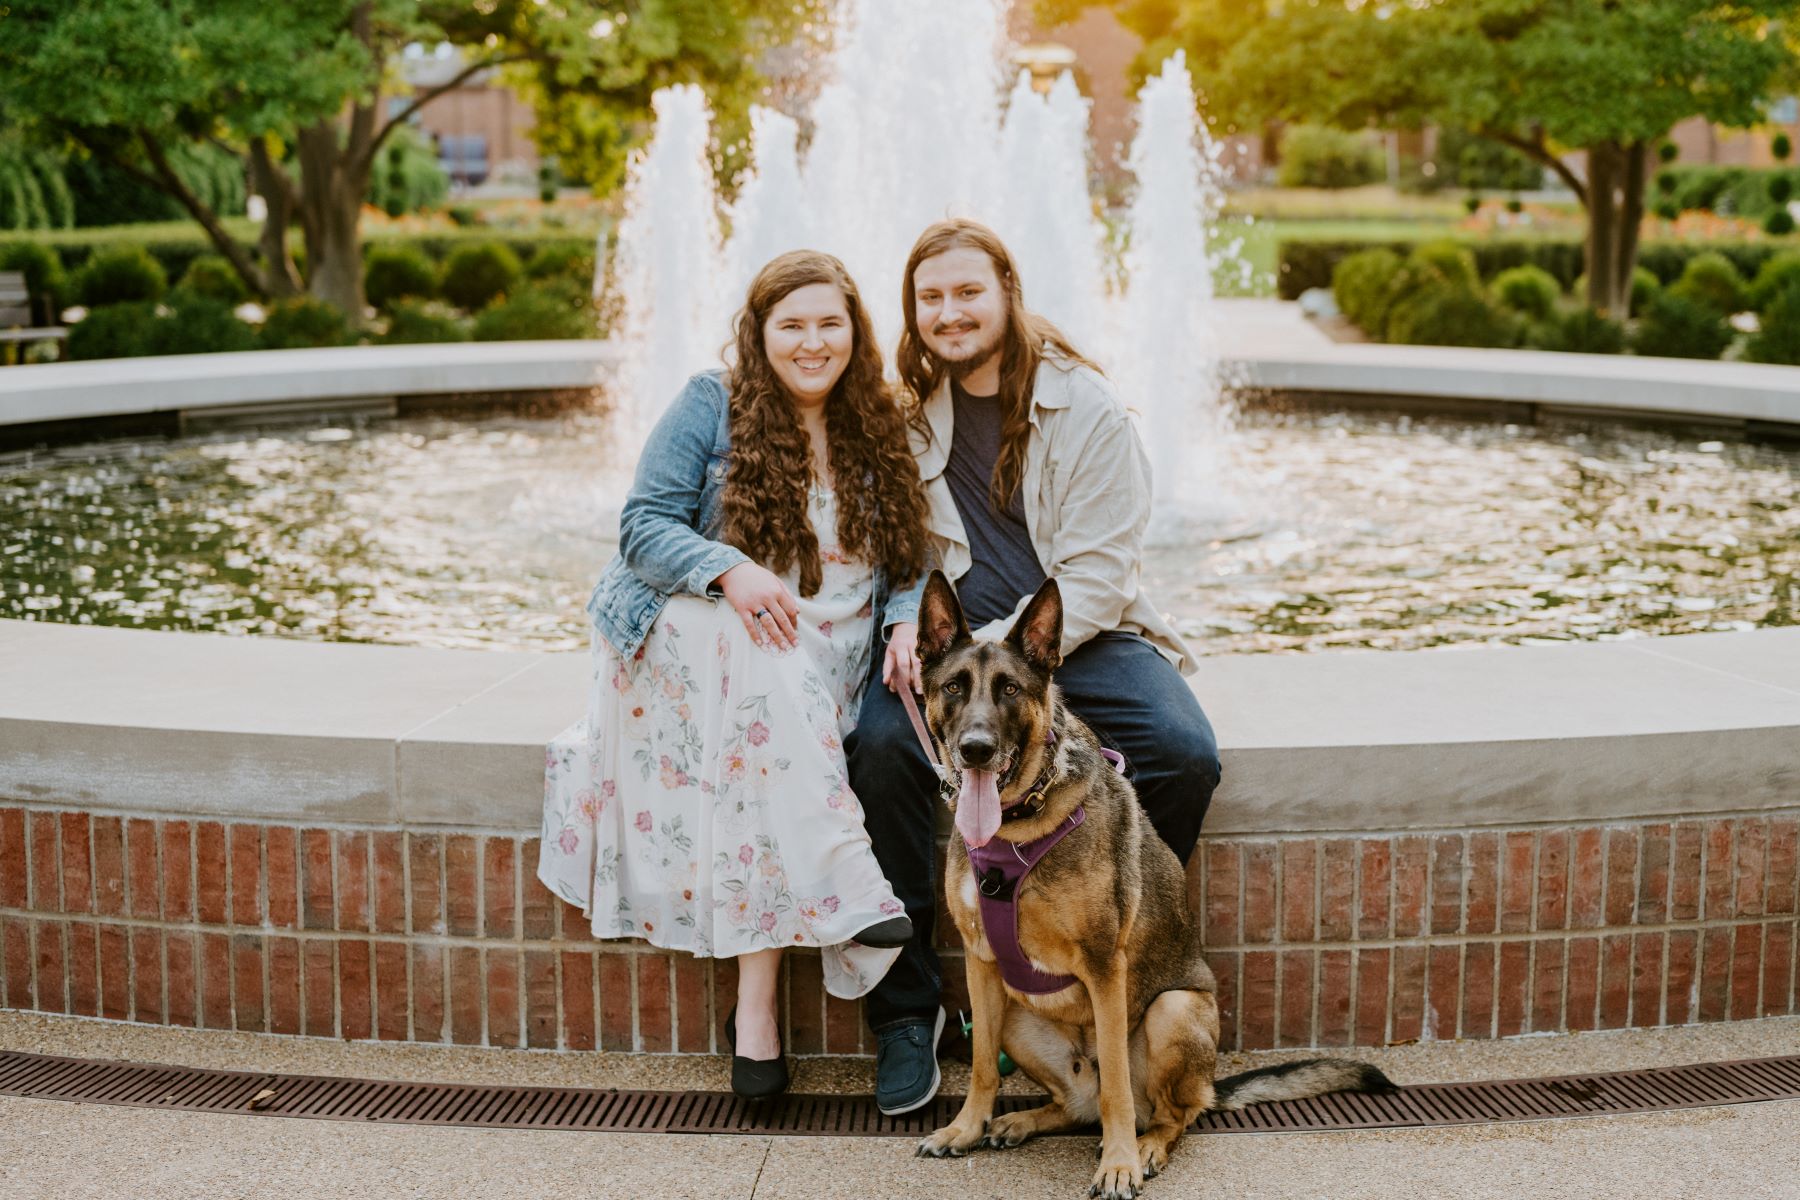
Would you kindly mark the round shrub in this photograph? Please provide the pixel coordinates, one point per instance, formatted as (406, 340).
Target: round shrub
(199, 324)
(116, 331)
(479, 274)
(121, 275)
(1644, 285)
(393, 273)
(43, 271)
(1710, 279)
(1531, 291)
(1450, 315)
(1678, 326)
(1322, 157)
(1780, 146)
(1578, 331)
(1773, 278)
(536, 313)
(1452, 262)
(1471, 204)
(562, 260)
(1778, 341)
(1668, 152)
(210, 275)
(414, 322)
(1361, 283)
(1781, 189)
(1779, 223)
(302, 321)
(1668, 210)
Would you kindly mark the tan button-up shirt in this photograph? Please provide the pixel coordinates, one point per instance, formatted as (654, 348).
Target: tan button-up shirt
(1087, 502)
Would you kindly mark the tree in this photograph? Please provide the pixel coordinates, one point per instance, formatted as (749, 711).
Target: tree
(300, 91)
(1556, 80)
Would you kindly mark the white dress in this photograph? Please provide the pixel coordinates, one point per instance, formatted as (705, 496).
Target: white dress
(704, 803)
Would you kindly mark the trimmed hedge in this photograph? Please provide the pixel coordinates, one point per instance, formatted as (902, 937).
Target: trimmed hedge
(44, 278)
(479, 274)
(395, 273)
(1678, 326)
(1578, 331)
(304, 322)
(413, 323)
(1307, 262)
(198, 324)
(533, 313)
(1450, 314)
(1710, 279)
(211, 275)
(1528, 290)
(1363, 285)
(1779, 339)
(121, 275)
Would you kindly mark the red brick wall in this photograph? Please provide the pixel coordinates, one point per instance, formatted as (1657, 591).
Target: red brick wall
(447, 937)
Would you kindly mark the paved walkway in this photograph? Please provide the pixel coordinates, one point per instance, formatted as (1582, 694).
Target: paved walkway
(54, 1149)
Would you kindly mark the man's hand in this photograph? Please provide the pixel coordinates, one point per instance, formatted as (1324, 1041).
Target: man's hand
(764, 603)
(902, 666)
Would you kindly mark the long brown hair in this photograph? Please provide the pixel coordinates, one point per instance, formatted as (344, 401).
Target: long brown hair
(1022, 348)
(880, 501)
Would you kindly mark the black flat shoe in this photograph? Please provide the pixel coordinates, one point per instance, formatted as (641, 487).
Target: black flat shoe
(886, 935)
(753, 1078)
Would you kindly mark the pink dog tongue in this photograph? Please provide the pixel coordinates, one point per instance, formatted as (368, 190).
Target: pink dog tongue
(978, 808)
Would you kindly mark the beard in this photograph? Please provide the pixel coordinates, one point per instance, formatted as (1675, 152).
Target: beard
(971, 356)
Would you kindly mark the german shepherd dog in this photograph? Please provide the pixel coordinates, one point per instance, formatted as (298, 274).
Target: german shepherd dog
(1133, 1042)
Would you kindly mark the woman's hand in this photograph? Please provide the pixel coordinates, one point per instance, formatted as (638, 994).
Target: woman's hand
(764, 603)
(901, 666)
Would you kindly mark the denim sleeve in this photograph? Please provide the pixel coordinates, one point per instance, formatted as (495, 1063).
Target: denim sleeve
(659, 537)
(903, 603)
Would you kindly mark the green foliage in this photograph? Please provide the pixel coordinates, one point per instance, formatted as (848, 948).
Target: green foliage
(1319, 157)
(303, 321)
(1781, 189)
(1668, 152)
(1781, 147)
(479, 274)
(1528, 290)
(1644, 286)
(408, 176)
(395, 272)
(414, 322)
(1578, 330)
(210, 275)
(198, 324)
(1752, 192)
(1710, 279)
(1675, 325)
(1778, 341)
(1450, 260)
(1449, 314)
(538, 312)
(118, 331)
(121, 275)
(1776, 276)
(1362, 284)
(1476, 162)
(571, 261)
(44, 279)
(33, 193)
(1779, 223)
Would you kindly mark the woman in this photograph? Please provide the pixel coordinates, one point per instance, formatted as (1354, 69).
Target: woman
(704, 805)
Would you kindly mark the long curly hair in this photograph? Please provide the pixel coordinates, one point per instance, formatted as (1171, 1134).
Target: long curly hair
(880, 502)
(1027, 340)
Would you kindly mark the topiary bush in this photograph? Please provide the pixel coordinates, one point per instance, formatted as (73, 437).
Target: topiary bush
(1529, 291)
(1452, 261)
(1362, 285)
(210, 275)
(1578, 331)
(121, 275)
(1450, 315)
(414, 322)
(115, 331)
(44, 279)
(1779, 223)
(535, 313)
(394, 273)
(479, 274)
(198, 324)
(1679, 326)
(1321, 157)
(563, 260)
(1710, 279)
(1773, 279)
(1644, 285)
(1778, 341)
(302, 322)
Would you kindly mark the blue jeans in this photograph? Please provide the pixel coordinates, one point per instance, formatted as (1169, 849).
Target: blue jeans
(1119, 684)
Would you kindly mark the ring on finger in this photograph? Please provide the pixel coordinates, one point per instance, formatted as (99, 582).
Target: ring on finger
(762, 614)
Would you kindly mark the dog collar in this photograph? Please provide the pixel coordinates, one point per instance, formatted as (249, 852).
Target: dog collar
(1032, 802)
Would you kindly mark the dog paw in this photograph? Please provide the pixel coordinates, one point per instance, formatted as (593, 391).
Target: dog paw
(1117, 1180)
(1006, 1131)
(1152, 1157)
(952, 1141)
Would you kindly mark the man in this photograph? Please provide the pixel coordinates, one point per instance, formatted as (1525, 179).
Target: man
(1032, 469)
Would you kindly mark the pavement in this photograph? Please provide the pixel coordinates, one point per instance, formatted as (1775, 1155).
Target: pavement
(63, 1150)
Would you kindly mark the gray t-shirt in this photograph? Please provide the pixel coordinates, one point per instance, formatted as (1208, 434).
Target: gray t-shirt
(1004, 565)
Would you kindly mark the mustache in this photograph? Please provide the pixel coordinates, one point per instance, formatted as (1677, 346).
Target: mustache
(953, 328)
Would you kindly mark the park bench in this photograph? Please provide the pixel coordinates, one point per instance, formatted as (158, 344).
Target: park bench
(16, 318)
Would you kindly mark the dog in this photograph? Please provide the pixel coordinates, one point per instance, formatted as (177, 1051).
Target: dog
(1099, 992)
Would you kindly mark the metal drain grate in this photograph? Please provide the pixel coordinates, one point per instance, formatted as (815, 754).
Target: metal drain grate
(184, 1089)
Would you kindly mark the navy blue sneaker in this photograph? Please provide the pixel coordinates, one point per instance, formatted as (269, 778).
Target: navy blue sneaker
(906, 1067)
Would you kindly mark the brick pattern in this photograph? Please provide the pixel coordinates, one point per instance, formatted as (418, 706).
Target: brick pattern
(448, 937)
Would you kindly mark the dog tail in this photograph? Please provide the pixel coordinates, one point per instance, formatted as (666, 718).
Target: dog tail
(1298, 1081)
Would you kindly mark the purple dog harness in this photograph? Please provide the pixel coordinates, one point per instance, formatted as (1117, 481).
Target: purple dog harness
(1001, 866)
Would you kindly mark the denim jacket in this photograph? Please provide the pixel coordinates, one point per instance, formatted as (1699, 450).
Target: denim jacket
(669, 526)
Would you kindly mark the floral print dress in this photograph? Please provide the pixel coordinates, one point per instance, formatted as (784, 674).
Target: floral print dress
(704, 803)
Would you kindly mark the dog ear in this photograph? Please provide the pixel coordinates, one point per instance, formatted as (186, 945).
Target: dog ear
(941, 622)
(1037, 634)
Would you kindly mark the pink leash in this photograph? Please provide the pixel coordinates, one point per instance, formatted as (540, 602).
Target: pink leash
(918, 724)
